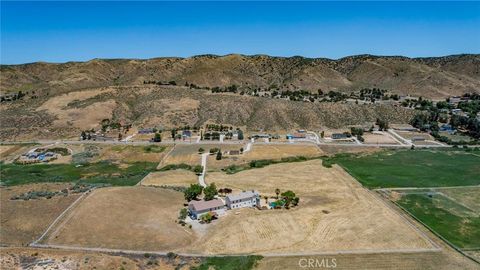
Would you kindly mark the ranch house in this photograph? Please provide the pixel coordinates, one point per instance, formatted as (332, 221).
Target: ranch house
(244, 199)
(199, 208)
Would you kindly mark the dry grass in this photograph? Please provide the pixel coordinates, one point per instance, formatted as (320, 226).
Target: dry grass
(170, 178)
(410, 134)
(24, 221)
(468, 196)
(129, 153)
(14, 258)
(281, 151)
(139, 218)
(83, 118)
(377, 138)
(335, 213)
(381, 261)
(9, 152)
(258, 152)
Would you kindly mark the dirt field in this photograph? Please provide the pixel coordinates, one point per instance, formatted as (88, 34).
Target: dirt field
(170, 178)
(376, 138)
(129, 153)
(336, 149)
(335, 213)
(9, 152)
(139, 218)
(24, 221)
(32, 258)
(394, 261)
(258, 152)
(410, 134)
(188, 154)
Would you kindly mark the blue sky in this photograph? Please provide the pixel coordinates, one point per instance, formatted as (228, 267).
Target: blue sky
(79, 31)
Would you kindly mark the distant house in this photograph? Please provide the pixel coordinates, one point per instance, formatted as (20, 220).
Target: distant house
(296, 135)
(199, 208)
(186, 134)
(234, 152)
(418, 139)
(454, 100)
(145, 131)
(261, 136)
(339, 136)
(447, 128)
(243, 199)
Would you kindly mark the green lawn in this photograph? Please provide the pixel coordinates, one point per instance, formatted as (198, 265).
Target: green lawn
(412, 168)
(100, 172)
(455, 223)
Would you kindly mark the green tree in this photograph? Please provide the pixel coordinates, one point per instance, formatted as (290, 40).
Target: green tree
(206, 218)
(240, 134)
(157, 137)
(174, 133)
(210, 191)
(201, 150)
(192, 192)
(219, 155)
(198, 169)
(289, 197)
(183, 214)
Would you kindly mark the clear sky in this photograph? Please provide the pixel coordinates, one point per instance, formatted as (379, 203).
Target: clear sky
(79, 31)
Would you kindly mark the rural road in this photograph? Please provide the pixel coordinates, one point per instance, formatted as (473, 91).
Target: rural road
(227, 143)
(201, 177)
(163, 253)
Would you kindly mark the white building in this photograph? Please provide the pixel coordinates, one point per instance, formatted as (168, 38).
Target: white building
(199, 208)
(244, 199)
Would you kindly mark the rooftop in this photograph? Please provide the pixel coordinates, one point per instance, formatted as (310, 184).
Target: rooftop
(204, 205)
(243, 195)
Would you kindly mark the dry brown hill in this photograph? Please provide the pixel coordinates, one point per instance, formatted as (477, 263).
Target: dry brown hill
(75, 96)
(429, 77)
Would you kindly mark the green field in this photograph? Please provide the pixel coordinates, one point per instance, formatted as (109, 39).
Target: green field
(229, 263)
(103, 172)
(455, 222)
(412, 168)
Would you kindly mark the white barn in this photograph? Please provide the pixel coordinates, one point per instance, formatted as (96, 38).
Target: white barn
(243, 199)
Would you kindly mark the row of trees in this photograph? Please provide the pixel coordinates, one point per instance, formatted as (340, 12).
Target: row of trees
(195, 190)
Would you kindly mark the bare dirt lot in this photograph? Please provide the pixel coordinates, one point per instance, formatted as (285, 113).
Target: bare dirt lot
(188, 154)
(130, 153)
(170, 178)
(24, 221)
(335, 213)
(140, 218)
(9, 152)
(377, 138)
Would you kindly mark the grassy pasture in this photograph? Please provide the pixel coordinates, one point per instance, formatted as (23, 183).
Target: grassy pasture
(457, 223)
(412, 168)
(99, 172)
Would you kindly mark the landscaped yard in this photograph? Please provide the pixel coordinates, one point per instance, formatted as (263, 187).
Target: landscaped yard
(126, 174)
(412, 168)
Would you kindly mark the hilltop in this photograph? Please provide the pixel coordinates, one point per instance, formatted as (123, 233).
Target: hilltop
(434, 77)
(63, 99)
